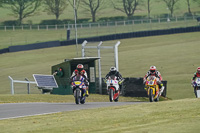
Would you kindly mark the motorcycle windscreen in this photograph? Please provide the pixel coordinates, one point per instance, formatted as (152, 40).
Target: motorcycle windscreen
(198, 93)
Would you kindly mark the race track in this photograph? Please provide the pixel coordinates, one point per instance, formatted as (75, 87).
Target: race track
(16, 110)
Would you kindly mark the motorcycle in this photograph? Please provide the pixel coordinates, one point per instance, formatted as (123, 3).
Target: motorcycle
(196, 86)
(152, 89)
(113, 88)
(79, 89)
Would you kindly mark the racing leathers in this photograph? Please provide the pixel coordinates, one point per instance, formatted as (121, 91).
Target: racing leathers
(84, 74)
(196, 74)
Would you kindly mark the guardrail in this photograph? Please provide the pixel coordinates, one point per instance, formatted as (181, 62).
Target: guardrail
(12, 81)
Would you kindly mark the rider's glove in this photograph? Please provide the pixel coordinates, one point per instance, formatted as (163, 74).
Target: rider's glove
(120, 82)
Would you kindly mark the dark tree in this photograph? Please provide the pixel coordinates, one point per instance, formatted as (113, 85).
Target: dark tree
(188, 5)
(55, 7)
(22, 8)
(148, 8)
(170, 5)
(93, 6)
(127, 6)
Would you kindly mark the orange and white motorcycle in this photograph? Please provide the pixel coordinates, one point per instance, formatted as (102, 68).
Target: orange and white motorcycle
(152, 89)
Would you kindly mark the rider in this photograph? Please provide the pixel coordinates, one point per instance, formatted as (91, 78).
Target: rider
(113, 71)
(196, 74)
(154, 72)
(79, 70)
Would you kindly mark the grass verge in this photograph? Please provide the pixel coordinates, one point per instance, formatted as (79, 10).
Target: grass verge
(169, 116)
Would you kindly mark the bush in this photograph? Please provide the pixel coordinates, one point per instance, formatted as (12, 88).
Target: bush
(11, 23)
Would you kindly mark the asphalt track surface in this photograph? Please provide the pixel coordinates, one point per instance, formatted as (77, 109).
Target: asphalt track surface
(17, 110)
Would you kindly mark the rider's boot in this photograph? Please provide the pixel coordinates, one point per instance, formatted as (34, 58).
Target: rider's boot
(120, 89)
(161, 89)
(87, 92)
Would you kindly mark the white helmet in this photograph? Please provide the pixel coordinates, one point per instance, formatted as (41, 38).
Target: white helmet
(113, 70)
(152, 69)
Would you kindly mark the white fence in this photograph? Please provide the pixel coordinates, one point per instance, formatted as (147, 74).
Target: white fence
(12, 81)
(98, 25)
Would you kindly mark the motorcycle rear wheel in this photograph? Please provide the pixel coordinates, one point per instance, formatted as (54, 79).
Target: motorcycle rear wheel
(157, 99)
(116, 100)
(195, 91)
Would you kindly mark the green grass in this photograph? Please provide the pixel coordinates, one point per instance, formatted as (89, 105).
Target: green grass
(27, 36)
(167, 117)
(175, 56)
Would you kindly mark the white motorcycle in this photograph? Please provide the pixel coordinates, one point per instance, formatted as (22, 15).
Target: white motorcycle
(113, 88)
(197, 87)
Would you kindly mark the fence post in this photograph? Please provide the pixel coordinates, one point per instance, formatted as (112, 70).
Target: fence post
(47, 27)
(12, 85)
(5, 28)
(13, 28)
(38, 27)
(28, 85)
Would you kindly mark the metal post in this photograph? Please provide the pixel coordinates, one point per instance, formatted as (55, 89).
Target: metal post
(75, 28)
(99, 60)
(28, 85)
(116, 55)
(12, 85)
(83, 48)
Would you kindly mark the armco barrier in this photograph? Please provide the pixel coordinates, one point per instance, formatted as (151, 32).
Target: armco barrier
(5, 50)
(100, 38)
(34, 46)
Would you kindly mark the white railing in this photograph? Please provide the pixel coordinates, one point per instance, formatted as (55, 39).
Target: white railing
(12, 81)
(96, 25)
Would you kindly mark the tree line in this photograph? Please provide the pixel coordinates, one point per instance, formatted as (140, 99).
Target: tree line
(26, 8)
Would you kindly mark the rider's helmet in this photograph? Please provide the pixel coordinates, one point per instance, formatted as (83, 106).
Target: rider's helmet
(153, 69)
(79, 67)
(198, 70)
(113, 70)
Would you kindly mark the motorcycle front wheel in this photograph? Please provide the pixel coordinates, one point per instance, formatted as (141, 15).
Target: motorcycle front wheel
(151, 95)
(111, 94)
(77, 96)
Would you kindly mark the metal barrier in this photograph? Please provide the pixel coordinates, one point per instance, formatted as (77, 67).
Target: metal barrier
(12, 81)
